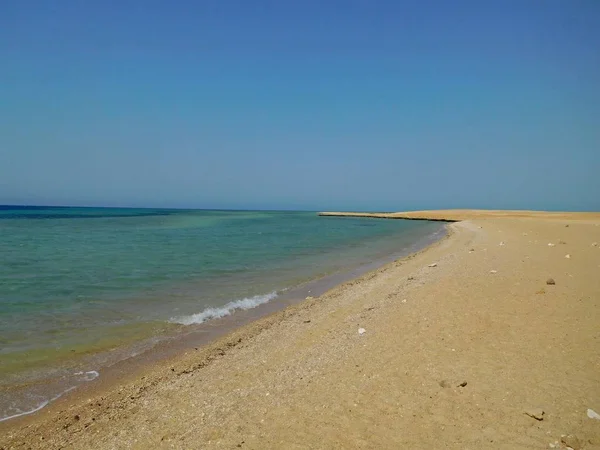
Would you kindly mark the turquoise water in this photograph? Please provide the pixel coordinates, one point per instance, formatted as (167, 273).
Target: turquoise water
(75, 281)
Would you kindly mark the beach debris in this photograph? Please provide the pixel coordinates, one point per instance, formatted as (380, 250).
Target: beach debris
(568, 256)
(493, 271)
(471, 250)
(433, 265)
(550, 282)
(361, 331)
(502, 243)
(307, 321)
(593, 414)
(571, 441)
(463, 384)
(535, 413)
(550, 244)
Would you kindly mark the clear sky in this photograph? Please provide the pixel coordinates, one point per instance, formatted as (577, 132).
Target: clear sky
(362, 105)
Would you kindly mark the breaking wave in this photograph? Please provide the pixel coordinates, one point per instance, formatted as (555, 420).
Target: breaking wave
(228, 309)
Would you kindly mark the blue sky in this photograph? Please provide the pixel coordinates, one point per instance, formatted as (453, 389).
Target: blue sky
(361, 105)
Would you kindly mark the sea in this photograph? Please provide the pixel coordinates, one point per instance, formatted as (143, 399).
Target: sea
(83, 288)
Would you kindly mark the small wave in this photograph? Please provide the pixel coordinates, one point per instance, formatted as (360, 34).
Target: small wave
(216, 313)
(87, 376)
(18, 408)
(37, 407)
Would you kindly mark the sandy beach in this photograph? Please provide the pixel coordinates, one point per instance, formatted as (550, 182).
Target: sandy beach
(489, 338)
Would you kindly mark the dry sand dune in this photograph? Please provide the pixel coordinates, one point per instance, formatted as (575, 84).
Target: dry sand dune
(461, 341)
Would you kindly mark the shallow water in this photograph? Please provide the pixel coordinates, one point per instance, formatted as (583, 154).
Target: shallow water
(76, 282)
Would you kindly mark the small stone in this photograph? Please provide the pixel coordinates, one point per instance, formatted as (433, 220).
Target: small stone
(433, 265)
(463, 384)
(593, 414)
(550, 281)
(493, 271)
(550, 244)
(307, 321)
(501, 243)
(571, 441)
(404, 301)
(567, 226)
(536, 413)
(471, 250)
(541, 291)
(361, 331)
(562, 242)
(594, 244)
(568, 256)
(309, 298)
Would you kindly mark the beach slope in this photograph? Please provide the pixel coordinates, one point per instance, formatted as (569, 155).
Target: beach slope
(489, 338)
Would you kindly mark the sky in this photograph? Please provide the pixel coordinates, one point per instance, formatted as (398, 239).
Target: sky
(316, 105)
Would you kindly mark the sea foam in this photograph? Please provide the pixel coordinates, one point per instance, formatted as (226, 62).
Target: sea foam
(228, 309)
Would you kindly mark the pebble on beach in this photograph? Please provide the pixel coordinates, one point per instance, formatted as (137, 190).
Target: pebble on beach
(550, 281)
(493, 271)
(433, 265)
(550, 244)
(571, 441)
(361, 331)
(568, 256)
(593, 414)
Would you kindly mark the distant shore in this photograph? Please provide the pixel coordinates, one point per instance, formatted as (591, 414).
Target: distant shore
(458, 345)
(457, 215)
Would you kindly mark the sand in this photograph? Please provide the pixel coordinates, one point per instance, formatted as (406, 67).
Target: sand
(465, 354)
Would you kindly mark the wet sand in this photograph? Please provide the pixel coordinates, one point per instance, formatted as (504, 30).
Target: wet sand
(452, 356)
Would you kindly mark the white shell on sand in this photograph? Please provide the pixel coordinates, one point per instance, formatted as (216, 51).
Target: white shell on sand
(433, 265)
(568, 256)
(593, 414)
(550, 244)
(361, 331)
(493, 271)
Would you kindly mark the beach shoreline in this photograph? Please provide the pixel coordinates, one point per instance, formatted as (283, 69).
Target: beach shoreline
(473, 296)
(167, 348)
